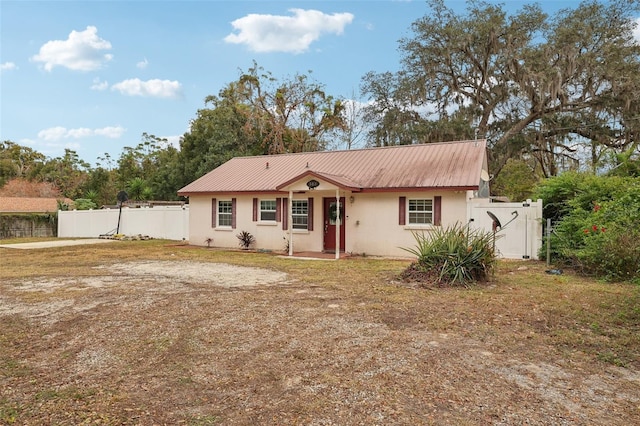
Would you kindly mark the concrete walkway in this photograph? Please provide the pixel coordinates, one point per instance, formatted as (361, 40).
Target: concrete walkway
(60, 243)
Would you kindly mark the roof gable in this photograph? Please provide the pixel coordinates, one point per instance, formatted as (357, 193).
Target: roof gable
(338, 181)
(450, 165)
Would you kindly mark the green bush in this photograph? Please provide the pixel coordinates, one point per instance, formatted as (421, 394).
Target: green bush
(455, 255)
(598, 227)
(84, 204)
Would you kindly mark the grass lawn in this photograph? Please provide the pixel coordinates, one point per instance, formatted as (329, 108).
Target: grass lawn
(158, 333)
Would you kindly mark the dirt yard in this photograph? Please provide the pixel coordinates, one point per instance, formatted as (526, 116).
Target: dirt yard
(181, 336)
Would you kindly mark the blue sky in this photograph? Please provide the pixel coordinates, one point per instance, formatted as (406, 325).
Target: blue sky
(92, 76)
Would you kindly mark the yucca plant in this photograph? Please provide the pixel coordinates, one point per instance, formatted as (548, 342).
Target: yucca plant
(456, 255)
(246, 239)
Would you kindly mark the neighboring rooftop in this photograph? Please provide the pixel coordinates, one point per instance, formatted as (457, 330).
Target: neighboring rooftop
(448, 165)
(29, 205)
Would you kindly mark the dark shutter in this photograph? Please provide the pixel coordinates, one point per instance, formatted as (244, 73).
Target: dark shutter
(233, 213)
(214, 212)
(285, 214)
(402, 214)
(278, 209)
(255, 209)
(310, 214)
(437, 210)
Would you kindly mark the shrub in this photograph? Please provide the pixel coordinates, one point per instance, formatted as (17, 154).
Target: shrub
(246, 239)
(598, 231)
(84, 204)
(562, 194)
(455, 255)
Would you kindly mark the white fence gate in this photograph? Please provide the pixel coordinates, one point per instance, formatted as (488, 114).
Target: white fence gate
(520, 233)
(163, 222)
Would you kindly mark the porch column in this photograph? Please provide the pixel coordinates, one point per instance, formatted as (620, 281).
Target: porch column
(338, 224)
(290, 222)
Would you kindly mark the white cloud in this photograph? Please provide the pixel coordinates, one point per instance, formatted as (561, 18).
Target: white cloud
(636, 31)
(82, 51)
(58, 133)
(273, 33)
(110, 132)
(52, 133)
(142, 64)
(151, 88)
(79, 133)
(7, 66)
(99, 85)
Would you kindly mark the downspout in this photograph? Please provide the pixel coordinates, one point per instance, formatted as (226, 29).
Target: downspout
(290, 222)
(338, 224)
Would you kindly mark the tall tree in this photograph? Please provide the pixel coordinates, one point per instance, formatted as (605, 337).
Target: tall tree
(167, 178)
(534, 86)
(257, 114)
(69, 173)
(217, 134)
(294, 115)
(155, 161)
(352, 135)
(101, 186)
(17, 161)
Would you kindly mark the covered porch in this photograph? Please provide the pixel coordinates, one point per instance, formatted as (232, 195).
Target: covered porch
(332, 190)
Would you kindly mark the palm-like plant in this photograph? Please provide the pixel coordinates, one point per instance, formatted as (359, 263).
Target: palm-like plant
(136, 188)
(455, 255)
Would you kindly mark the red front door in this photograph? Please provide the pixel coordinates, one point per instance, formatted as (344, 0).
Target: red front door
(331, 221)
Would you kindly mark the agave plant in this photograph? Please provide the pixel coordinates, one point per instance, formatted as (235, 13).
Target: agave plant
(246, 239)
(456, 255)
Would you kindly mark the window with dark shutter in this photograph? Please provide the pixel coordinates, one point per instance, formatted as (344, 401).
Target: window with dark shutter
(300, 214)
(268, 210)
(225, 213)
(420, 211)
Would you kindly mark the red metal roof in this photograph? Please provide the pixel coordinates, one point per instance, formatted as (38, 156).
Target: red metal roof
(448, 165)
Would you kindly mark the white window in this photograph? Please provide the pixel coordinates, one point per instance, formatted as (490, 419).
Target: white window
(300, 214)
(268, 210)
(225, 213)
(420, 212)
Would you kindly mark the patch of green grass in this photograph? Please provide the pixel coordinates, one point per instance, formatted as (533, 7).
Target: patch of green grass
(13, 368)
(9, 412)
(203, 420)
(611, 358)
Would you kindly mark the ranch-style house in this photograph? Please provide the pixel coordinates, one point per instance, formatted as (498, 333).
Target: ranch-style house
(364, 201)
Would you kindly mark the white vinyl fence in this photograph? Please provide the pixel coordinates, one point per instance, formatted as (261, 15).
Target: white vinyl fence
(520, 233)
(163, 222)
